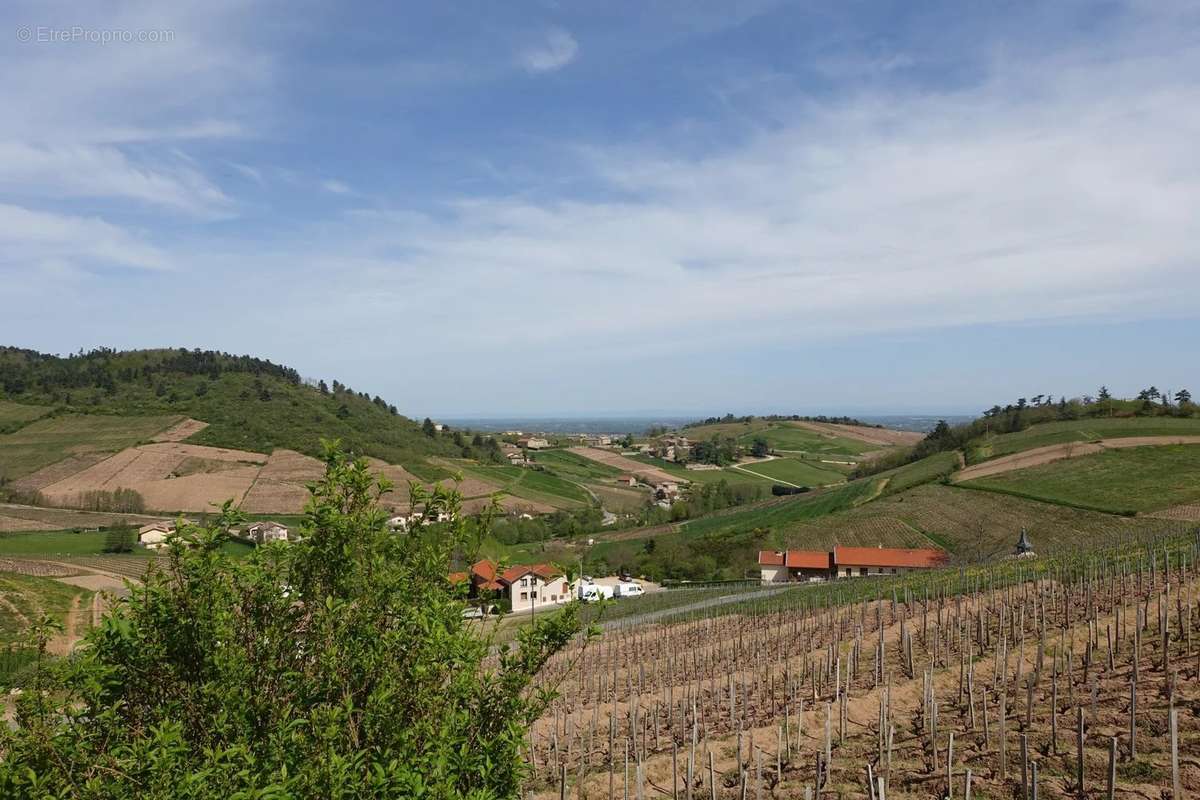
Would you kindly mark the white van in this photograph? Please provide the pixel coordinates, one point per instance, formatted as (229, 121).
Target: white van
(628, 589)
(590, 592)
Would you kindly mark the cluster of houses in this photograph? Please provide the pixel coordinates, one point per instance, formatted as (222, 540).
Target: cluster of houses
(782, 566)
(668, 448)
(155, 535)
(664, 492)
(527, 586)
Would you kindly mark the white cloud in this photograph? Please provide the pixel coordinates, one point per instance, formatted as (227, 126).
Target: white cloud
(555, 51)
(335, 186)
(30, 237)
(101, 171)
(1054, 190)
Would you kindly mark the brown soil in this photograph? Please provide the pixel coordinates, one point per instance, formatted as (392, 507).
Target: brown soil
(58, 471)
(1187, 513)
(8, 524)
(768, 654)
(64, 643)
(180, 431)
(644, 471)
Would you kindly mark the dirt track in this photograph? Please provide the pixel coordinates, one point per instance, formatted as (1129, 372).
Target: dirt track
(609, 458)
(1058, 452)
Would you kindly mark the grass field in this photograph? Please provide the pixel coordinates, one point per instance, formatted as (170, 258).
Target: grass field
(1083, 430)
(780, 516)
(574, 467)
(731, 476)
(15, 415)
(795, 471)
(24, 599)
(926, 470)
(533, 485)
(1121, 481)
(49, 543)
(44, 442)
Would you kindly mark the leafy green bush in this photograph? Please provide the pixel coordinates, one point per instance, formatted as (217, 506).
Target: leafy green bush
(335, 667)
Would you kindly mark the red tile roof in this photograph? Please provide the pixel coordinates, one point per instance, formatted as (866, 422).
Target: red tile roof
(485, 569)
(770, 558)
(544, 571)
(808, 559)
(887, 557)
(801, 559)
(483, 574)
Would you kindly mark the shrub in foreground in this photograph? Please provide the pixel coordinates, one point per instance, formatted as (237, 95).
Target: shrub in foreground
(335, 667)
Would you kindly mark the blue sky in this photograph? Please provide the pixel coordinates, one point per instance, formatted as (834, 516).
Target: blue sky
(601, 207)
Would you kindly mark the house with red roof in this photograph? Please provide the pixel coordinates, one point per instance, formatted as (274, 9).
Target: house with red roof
(528, 586)
(782, 566)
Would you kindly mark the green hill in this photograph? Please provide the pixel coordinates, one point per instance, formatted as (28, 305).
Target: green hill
(248, 403)
(1124, 481)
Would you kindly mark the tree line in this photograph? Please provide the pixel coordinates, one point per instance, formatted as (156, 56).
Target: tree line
(1027, 411)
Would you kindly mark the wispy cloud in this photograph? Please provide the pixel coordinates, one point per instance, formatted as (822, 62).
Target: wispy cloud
(30, 237)
(96, 171)
(335, 186)
(557, 49)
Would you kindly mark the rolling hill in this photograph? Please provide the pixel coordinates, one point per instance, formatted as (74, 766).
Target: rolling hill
(1102, 491)
(187, 429)
(249, 403)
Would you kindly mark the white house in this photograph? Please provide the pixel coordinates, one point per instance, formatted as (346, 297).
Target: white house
(534, 586)
(528, 586)
(264, 532)
(154, 535)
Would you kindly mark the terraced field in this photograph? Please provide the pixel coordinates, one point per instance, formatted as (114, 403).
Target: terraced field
(48, 441)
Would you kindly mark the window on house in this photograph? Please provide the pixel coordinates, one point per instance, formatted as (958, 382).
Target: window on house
(533, 595)
(524, 581)
(524, 595)
(862, 571)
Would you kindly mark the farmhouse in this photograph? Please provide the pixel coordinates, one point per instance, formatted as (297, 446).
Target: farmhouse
(779, 566)
(794, 565)
(859, 562)
(627, 479)
(154, 535)
(528, 586)
(263, 532)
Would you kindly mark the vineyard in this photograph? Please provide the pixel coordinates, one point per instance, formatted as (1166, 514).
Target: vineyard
(1070, 676)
